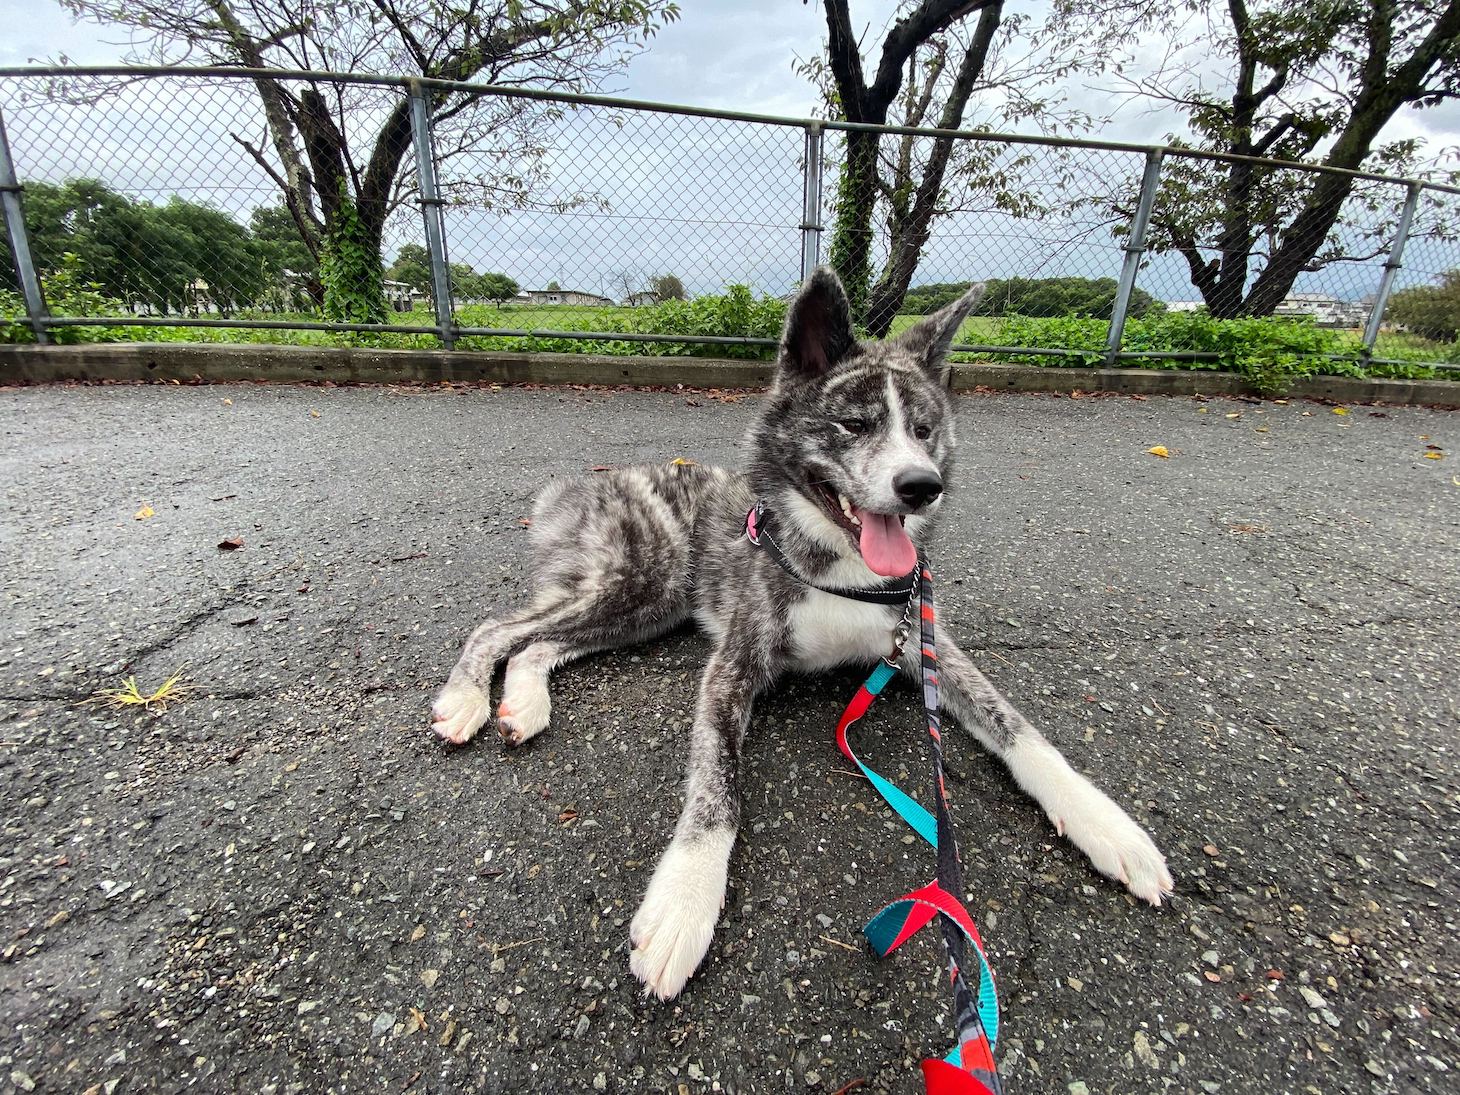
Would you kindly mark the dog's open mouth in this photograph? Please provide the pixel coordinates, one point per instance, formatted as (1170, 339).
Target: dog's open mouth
(880, 537)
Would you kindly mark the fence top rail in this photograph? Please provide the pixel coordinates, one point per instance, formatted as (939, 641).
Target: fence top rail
(233, 72)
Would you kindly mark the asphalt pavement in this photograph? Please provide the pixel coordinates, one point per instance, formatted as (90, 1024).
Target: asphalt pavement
(282, 883)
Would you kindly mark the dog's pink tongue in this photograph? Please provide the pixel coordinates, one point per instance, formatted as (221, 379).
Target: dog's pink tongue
(885, 546)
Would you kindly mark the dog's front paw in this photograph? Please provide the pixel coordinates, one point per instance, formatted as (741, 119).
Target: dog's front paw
(1116, 845)
(672, 929)
(523, 713)
(459, 711)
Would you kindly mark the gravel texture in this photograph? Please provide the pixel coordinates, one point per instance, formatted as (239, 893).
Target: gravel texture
(282, 883)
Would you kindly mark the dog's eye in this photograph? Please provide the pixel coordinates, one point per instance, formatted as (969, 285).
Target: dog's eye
(921, 432)
(852, 426)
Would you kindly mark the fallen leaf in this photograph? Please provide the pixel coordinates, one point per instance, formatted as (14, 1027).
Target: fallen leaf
(418, 932)
(1340, 410)
(1433, 447)
(1434, 456)
(568, 815)
(601, 467)
(145, 512)
(682, 462)
(1212, 976)
(420, 1017)
(233, 543)
(313, 414)
(1210, 849)
(1235, 414)
(1276, 975)
(1160, 450)
(228, 402)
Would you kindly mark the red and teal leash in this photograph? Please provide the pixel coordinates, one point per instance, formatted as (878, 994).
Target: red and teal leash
(970, 1068)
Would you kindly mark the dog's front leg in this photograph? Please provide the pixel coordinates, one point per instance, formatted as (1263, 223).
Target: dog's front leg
(672, 929)
(1116, 845)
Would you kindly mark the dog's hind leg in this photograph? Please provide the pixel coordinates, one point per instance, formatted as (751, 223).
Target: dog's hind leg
(1115, 844)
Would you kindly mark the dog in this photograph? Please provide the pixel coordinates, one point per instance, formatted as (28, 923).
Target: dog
(801, 563)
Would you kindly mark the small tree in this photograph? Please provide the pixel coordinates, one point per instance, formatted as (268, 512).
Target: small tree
(666, 287)
(412, 266)
(1431, 311)
(497, 287)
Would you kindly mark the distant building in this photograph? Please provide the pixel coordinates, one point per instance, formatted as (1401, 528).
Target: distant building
(565, 296)
(1185, 305)
(639, 300)
(1327, 310)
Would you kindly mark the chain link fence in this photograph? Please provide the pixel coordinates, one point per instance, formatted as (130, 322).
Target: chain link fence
(144, 201)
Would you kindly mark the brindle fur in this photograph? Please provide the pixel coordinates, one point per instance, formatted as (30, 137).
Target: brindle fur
(627, 555)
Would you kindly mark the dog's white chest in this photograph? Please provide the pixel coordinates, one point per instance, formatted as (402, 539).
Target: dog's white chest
(827, 630)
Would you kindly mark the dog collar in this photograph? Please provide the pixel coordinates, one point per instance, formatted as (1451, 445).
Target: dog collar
(895, 591)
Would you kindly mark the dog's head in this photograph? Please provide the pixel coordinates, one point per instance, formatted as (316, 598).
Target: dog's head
(856, 441)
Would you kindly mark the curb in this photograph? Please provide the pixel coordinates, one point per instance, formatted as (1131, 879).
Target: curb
(192, 363)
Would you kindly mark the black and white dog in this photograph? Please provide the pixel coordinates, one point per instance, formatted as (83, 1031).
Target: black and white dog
(849, 457)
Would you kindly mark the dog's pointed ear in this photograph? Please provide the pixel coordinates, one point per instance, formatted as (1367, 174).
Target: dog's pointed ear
(818, 330)
(929, 338)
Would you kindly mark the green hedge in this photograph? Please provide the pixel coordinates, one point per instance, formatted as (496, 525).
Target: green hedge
(1270, 351)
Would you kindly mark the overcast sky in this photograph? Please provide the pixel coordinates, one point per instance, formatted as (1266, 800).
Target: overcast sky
(735, 55)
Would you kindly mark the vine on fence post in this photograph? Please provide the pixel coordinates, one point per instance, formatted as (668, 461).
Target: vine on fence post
(350, 268)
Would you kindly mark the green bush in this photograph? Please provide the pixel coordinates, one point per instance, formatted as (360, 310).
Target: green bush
(1271, 351)
(736, 313)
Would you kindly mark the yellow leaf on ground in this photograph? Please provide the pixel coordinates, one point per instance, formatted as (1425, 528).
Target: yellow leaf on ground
(145, 512)
(313, 414)
(1160, 450)
(1434, 456)
(1340, 410)
(228, 402)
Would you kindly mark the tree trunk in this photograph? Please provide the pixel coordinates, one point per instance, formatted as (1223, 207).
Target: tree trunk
(851, 242)
(911, 227)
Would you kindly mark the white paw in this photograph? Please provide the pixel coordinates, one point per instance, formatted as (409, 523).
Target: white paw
(459, 711)
(1116, 845)
(672, 929)
(524, 710)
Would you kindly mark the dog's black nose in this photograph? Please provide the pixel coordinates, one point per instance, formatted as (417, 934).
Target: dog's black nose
(917, 486)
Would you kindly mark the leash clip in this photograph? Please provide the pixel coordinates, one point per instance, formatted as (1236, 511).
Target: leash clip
(900, 633)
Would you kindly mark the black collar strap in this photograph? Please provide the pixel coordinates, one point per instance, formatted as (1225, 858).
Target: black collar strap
(895, 591)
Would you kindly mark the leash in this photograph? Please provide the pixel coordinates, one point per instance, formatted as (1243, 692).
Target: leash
(969, 1069)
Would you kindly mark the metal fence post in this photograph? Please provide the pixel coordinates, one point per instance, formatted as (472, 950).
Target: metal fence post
(1135, 247)
(30, 285)
(811, 205)
(431, 213)
(1391, 268)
